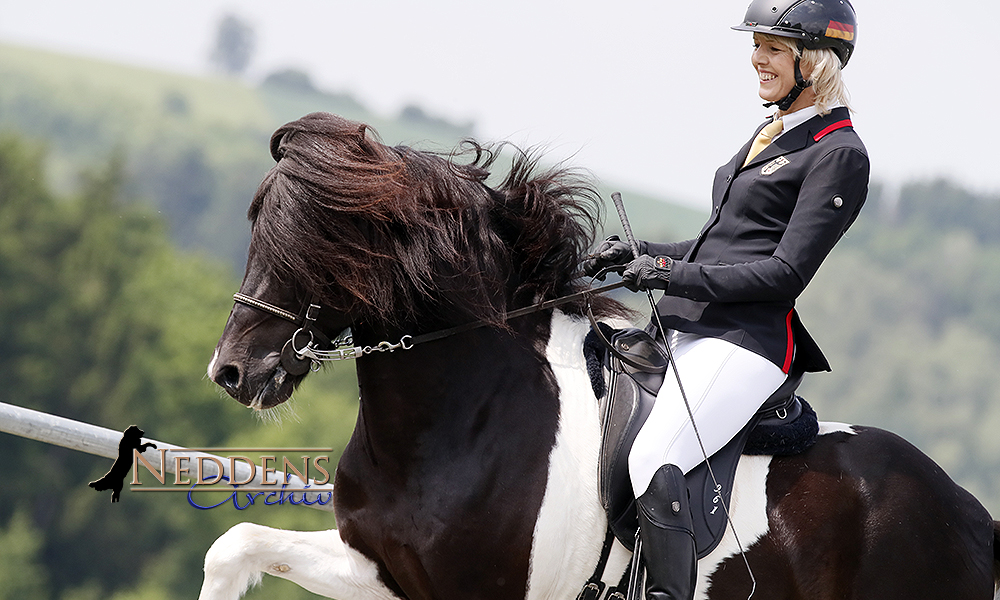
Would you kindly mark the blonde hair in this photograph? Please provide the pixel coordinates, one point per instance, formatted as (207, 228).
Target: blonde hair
(823, 66)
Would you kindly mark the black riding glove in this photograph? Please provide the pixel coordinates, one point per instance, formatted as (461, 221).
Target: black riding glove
(648, 273)
(611, 252)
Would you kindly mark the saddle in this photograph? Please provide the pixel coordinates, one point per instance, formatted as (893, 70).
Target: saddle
(626, 369)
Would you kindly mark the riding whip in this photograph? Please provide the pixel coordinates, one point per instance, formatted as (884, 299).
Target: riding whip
(616, 197)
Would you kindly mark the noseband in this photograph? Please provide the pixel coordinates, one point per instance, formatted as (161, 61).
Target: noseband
(295, 361)
(298, 361)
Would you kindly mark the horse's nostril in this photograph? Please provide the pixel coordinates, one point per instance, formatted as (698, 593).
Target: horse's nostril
(228, 377)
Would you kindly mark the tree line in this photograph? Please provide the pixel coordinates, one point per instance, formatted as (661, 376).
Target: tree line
(104, 320)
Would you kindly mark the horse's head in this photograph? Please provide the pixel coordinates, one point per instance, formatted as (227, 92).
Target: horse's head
(387, 241)
(255, 360)
(295, 229)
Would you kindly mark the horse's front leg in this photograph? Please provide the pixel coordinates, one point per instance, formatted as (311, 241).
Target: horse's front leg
(319, 561)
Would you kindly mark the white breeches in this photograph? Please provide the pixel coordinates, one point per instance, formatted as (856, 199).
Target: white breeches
(725, 385)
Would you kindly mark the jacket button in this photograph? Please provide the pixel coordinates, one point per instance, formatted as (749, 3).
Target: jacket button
(838, 201)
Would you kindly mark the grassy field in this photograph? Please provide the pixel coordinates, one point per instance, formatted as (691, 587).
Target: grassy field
(178, 131)
(135, 90)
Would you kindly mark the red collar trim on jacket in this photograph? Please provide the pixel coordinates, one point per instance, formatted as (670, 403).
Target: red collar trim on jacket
(832, 128)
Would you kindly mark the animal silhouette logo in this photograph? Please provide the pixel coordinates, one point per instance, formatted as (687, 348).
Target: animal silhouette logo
(115, 478)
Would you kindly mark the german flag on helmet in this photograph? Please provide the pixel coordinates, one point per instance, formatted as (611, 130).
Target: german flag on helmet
(843, 31)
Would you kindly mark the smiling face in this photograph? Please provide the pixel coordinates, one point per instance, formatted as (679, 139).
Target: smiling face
(774, 62)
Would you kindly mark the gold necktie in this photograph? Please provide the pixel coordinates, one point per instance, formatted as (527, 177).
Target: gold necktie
(763, 139)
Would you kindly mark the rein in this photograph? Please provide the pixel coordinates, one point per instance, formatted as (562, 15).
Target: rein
(296, 359)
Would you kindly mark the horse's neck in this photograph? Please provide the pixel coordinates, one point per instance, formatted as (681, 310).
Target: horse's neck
(453, 392)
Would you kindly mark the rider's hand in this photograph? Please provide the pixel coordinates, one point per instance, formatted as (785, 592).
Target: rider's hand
(611, 252)
(648, 273)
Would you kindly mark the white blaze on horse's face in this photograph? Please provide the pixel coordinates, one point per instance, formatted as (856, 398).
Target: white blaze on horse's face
(211, 363)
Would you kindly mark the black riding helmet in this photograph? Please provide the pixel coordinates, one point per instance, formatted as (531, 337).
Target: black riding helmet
(814, 23)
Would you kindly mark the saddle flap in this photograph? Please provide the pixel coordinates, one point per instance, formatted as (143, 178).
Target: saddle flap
(635, 379)
(644, 353)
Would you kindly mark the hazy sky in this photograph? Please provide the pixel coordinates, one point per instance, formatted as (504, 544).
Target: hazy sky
(649, 95)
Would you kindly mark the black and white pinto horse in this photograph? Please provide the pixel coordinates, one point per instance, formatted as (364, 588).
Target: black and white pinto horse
(472, 469)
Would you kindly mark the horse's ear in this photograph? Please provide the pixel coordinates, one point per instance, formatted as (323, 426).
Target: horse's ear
(278, 144)
(364, 142)
(368, 144)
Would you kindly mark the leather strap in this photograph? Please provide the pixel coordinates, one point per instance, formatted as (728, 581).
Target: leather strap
(595, 586)
(595, 327)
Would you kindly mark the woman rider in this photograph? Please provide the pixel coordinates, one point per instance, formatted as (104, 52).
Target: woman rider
(779, 206)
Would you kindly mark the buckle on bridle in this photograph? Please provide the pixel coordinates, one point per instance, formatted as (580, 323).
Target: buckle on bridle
(312, 313)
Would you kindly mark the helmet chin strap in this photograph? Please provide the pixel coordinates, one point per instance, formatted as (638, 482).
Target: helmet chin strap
(800, 86)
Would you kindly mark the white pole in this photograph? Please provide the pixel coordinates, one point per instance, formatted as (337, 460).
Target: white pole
(60, 431)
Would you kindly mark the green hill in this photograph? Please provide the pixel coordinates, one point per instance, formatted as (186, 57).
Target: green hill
(195, 148)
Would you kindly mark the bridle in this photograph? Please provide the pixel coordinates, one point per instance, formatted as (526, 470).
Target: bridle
(294, 360)
(297, 358)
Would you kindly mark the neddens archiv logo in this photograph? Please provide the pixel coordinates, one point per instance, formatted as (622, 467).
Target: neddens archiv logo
(273, 478)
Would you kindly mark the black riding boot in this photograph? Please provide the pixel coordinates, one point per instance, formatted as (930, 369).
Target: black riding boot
(667, 537)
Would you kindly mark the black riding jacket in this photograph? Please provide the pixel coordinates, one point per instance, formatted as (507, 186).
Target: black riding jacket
(773, 223)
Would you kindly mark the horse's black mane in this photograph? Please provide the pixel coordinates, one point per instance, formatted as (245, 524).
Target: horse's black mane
(400, 235)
